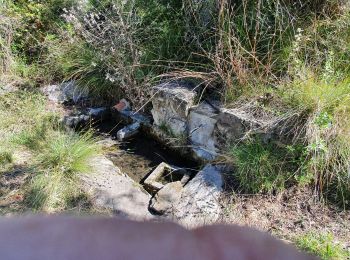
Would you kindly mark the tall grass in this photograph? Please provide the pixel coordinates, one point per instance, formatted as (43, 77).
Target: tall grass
(69, 153)
(58, 156)
(266, 168)
(327, 133)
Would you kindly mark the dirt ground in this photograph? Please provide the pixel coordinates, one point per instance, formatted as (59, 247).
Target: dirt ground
(288, 215)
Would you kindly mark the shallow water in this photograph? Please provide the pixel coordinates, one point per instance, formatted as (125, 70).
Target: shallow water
(140, 155)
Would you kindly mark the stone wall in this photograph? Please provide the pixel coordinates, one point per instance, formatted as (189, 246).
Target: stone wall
(206, 127)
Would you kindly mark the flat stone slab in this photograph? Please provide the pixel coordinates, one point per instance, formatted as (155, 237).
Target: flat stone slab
(199, 202)
(112, 189)
(234, 124)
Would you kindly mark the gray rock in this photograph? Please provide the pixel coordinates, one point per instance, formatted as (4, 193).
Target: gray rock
(73, 92)
(163, 174)
(107, 142)
(202, 122)
(98, 112)
(112, 189)
(128, 131)
(73, 121)
(80, 118)
(199, 202)
(54, 93)
(203, 155)
(4, 89)
(235, 124)
(167, 197)
(65, 92)
(171, 104)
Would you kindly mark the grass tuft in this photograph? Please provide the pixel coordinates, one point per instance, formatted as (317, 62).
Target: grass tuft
(69, 153)
(322, 245)
(263, 167)
(58, 155)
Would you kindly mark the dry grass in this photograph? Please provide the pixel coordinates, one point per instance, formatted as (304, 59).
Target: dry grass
(288, 216)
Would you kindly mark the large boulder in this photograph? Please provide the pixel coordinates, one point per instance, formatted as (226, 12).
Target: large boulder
(171, 104)
(199, 202)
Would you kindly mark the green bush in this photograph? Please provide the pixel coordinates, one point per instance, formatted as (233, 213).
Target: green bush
(326, 102)
(61, 157)
(68, 153)
(324, 47)
(137, 43)
(36, 20)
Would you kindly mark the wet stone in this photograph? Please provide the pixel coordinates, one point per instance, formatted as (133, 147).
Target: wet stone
(128, 131)
(164, 174)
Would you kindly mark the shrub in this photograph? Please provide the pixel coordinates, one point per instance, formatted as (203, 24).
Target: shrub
(6, 33)
(5, 157)
(249, 44)
(324, 47)
(77, 60)
(130, 41)
(37, 19)
(19, 112)
(51, 192)
(61, 158)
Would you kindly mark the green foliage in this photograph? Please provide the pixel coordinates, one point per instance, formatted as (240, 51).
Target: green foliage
(52, 191)
(164, 26)
(24, 107)
(5, 157)
(137, 42)
(324, 46)
(267, 168)
(322, 245)
(80, 62)
(327, 132)
(36, 19)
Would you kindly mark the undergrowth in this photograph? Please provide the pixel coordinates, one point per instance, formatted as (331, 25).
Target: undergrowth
(58, 156)
(265, 167)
